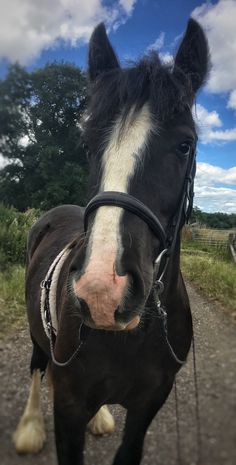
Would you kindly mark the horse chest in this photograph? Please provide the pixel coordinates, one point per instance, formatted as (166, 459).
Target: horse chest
(119, 369)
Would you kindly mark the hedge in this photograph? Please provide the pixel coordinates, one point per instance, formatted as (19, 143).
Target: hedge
(14, 227)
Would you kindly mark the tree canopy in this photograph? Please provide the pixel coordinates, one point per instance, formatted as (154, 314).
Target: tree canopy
(40, 136)
(216, 220)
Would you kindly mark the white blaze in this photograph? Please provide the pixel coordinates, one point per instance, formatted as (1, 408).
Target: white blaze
(121, 159)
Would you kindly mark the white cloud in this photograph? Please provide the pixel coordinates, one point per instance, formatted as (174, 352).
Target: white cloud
(207, 118)
(128, 5)
(228, 135)
(208, 195)
(29, 26)
(166, 58)
(158, 44)
(211, 175)
(232, 100)
(218, 20)
(207, 121)
(211, 199)
(176, 40)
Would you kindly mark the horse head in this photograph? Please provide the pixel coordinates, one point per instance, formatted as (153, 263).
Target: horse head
(142, 141)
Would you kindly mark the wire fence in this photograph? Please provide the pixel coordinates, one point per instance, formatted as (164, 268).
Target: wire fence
(210, 239)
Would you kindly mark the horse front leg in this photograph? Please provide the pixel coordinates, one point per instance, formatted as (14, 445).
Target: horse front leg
(70, 420)
(30, 434)
(138, 419)
(70, 435)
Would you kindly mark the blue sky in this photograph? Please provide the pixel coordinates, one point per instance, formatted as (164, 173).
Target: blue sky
(35, 33)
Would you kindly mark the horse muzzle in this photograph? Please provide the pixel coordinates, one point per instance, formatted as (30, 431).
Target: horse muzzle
(101, 300)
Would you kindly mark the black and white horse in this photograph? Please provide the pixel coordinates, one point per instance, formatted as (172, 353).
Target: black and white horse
(107, 306)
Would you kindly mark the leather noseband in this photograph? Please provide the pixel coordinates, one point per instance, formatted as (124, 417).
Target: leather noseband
(129, 203)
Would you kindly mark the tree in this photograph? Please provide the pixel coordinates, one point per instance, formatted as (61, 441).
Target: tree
(216, 220)
(41, 137)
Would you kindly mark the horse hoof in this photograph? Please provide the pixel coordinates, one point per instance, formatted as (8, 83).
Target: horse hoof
(102, 423)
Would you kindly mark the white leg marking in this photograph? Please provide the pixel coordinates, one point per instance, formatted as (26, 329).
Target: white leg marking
(30, 436)
(102, 423)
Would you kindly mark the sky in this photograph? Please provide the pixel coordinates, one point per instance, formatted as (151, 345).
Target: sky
(34, 33)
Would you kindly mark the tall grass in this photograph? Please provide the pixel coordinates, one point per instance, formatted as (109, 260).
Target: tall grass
(12, 302)
(14, 228)
(210, 268)
(213, 274)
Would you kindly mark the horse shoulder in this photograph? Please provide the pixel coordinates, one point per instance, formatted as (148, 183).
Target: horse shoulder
(56, 217)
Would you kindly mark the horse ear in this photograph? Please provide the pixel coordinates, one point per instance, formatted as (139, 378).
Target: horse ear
(101, 54)
(193, 55)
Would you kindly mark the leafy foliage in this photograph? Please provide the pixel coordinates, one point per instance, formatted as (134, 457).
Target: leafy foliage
(14, 227)
(214, 220)
(12, 301)
(40, 135)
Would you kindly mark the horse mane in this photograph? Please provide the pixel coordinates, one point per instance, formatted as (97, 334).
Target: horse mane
(116, 91)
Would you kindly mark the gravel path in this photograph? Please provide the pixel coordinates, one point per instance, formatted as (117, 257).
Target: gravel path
(215, 339)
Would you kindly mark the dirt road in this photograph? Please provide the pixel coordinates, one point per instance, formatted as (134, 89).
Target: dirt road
(215, 336)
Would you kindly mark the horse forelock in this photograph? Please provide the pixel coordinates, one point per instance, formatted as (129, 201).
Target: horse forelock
(118, 91)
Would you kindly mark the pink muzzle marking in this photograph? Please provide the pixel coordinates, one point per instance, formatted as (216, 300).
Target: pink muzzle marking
(103, 290)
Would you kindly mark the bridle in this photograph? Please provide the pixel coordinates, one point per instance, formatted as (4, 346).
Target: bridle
(138, 208)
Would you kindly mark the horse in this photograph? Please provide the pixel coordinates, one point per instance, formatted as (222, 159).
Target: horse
(108, 311)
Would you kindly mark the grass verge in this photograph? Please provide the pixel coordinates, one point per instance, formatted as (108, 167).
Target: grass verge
(12, 301)
(214, 276)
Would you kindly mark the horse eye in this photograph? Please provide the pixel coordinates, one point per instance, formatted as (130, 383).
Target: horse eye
(185, 148)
